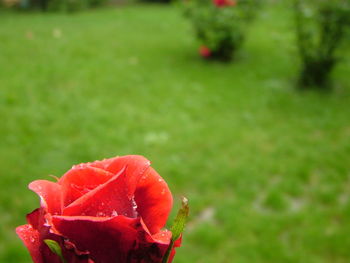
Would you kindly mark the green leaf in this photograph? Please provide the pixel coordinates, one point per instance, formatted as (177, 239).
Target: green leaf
(180, 220)
(178, 227)
(55, 248)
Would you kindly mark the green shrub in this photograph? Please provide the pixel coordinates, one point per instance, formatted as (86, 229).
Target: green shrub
(93, 3)
(8, 3)
(67, 5)
(220, 25)
(158, 1)
(321, 29)
(55, 5)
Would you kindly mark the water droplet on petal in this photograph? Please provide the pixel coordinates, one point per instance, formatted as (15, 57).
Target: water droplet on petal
(101, 214)
(114, 213)
(134, 205)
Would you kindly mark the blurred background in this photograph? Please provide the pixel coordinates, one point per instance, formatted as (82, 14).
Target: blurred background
(265, 165)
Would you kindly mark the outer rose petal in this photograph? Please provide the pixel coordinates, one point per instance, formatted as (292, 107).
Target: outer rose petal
(68, 251)
(34, 234)
(163, 236)
(50, 195)
(31, 239)
(109, 199)
(80, 180)
(36, 218)
(110, 240)
(154, 200)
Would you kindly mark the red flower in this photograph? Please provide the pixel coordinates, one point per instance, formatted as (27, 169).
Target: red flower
(223, 3)
(109, 211)
(204, 51)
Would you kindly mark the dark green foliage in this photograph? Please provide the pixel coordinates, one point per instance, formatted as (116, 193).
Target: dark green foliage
(157, 1)
(321, 29)
(67, 5)
(58, 5)
(94, 3)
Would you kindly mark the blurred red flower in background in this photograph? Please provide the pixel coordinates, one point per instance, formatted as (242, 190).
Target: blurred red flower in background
(223, 3)
(204, 51)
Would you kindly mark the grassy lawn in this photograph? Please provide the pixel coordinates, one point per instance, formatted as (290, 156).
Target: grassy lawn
(265, 167)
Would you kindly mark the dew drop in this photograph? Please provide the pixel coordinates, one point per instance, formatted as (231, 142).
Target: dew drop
(134, 205)
(114, 213)
(144, 177)
(101, 214)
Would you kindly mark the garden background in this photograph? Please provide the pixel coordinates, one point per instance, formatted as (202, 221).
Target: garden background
(265, 166)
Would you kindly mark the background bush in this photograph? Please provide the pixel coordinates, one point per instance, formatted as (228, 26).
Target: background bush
(93, 3)
(54, 5)
(321, 30)
(67, 5)
(220, 28)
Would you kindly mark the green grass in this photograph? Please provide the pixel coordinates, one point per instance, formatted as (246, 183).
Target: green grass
(265, 167)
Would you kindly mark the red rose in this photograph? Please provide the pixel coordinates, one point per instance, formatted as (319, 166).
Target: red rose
(204, 51)
(223, 3)
(109, 211)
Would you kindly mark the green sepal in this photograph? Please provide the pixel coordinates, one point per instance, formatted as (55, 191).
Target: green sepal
(55, 248)
(178, 227)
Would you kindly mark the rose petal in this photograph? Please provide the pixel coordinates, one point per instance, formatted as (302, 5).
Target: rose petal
(50, 195)
(39, 251)
(36, 218)
(136, 166)
(80, 180)
(107, 239)
(109, 199)
(152, 195)
(163, 236)
(117, 239)
(69, 252)
(31, 240)
(85, 177)
(154, 200)
(102, 164)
